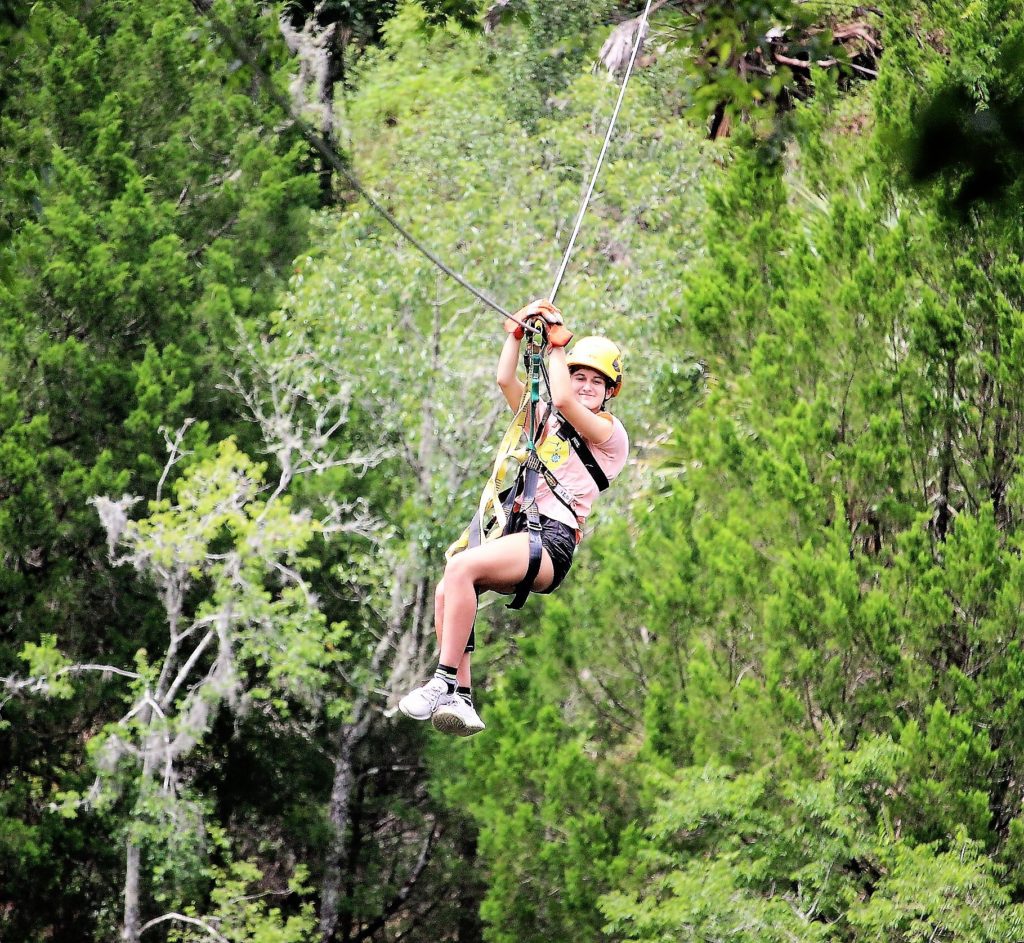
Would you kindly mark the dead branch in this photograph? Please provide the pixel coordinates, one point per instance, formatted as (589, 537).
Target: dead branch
(194, 921)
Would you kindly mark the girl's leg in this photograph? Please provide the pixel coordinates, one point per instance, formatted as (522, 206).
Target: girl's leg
(463, 675)
(497, 566)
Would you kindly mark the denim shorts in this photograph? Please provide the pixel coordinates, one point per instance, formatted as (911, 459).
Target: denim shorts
(557, 538)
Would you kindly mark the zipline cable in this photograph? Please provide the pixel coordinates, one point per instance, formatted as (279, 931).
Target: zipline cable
(330, 155)
(641, 30)
(205, 7)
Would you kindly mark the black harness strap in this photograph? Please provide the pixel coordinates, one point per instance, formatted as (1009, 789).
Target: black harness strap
(533, 528)
(579, 445)
(526, 487)
(557, 489)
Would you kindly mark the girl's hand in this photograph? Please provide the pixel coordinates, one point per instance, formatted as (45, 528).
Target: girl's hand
(548, 312)
(557, 335)
(540, 308)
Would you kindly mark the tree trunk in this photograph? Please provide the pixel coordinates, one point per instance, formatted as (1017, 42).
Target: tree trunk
(405, 621)
(338, 815)
(469, 928)
(133, 852)
(335, 73)
(133, 865)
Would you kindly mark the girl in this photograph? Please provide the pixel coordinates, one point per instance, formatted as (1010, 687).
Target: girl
(581, 385)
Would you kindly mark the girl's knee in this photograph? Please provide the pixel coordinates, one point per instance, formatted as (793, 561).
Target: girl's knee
(458, 568)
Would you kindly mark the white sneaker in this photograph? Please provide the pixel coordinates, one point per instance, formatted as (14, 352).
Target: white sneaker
(456, 717)
(422, 702)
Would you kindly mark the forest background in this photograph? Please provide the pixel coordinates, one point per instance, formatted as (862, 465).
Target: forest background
(779, 697)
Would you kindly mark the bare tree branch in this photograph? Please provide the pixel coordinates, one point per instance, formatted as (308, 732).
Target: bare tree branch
(403, 893)
(194, 921)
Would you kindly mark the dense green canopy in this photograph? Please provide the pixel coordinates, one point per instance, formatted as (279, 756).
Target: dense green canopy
(779, 698)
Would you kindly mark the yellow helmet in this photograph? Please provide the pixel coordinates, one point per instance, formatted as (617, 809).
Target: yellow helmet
(599, 354)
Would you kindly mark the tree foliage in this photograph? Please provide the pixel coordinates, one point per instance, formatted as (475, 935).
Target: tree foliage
(779, 695)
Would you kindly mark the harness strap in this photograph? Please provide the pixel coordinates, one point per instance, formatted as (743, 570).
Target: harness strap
(579, 445)
(567, 431)
(533, 528)
(558, 489)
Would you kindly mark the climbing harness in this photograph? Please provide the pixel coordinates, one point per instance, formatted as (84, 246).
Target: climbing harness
(527, 486)
(512, 485)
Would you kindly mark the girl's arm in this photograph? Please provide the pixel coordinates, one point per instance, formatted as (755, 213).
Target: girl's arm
(511, 386)
(594, 427)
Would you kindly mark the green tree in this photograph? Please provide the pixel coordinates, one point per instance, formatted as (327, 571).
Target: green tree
(242, 627)
(149, 203)
(816, 618)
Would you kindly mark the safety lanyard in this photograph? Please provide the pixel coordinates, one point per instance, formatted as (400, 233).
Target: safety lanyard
(528, 495)
(534, 358)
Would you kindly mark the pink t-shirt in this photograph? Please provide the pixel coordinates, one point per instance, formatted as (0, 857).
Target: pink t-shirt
(572, 474)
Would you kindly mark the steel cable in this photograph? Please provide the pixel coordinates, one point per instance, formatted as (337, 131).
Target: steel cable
(641, 30)
(205, 7)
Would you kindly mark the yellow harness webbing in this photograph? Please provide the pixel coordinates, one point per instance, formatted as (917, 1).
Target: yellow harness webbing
(489, 521)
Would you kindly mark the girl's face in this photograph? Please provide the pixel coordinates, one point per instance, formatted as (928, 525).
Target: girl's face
(590, 387)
